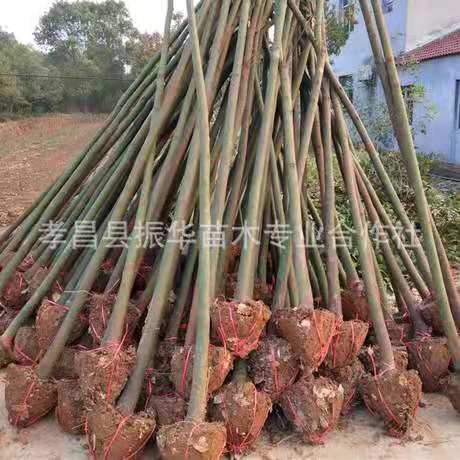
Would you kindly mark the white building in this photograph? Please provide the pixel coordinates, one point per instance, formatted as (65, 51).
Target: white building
(426, 32)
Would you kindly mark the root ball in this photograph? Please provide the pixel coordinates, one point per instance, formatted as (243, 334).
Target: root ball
(243, 410)
(220, 364)
(115, 436)
(347, 343)
(308, 331)
(192, 441)
(313, 406)
(431, 358)
(70, 410)
(238, 325)
(394, 396)
(273, 367)
(27, 397)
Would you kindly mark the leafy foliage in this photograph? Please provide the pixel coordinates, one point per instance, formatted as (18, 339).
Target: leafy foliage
(88, 39)
(92, 44)
(444, 204)
(141, 46)
(26, 94)
(339, 27)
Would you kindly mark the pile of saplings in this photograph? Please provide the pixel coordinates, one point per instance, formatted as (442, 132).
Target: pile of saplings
(173, 285)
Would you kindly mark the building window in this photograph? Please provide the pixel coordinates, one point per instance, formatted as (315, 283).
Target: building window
(347, 82)
(387, 6)
(409, 92)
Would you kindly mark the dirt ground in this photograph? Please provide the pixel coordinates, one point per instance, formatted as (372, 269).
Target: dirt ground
(436, 436)
(33, 153)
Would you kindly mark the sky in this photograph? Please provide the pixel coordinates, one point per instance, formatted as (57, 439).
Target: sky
(21, 16)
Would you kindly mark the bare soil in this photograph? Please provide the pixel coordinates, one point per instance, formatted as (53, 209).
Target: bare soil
(435, 436)
(34, 152)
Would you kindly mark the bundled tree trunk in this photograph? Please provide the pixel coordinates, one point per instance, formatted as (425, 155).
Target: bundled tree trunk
(206, 274)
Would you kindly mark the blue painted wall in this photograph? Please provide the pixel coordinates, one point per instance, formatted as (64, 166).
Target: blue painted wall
(357, 51)
(439, 78)
(411, 23)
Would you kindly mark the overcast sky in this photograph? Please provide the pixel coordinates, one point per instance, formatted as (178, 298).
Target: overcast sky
(21, 16)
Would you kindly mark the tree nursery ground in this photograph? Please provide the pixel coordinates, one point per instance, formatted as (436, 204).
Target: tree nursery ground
(185, 281)
(436, 437)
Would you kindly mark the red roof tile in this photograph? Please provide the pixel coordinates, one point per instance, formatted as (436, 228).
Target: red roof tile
(443, 46)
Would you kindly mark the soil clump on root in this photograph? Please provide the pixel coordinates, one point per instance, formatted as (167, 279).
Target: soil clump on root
(349, 377)
(220, 364)
(104, 372)
(65, 368)
(355, 305)
(169, 409)
(453, 390)
(70, 410)
(431, 358)
(15, 292)
(115, 436)
(243, 410)
(371, 359)
(394, 396)
(26, 348)
(6, 316)
(309, 332)
(313, 406)
(100, 310)
(347, 343)
(261, 292)
(49, 319)
(432, 316)
(5, 357)
(27, 397)
(239, 325)
(37, 279)
(273, 367)
(192, 441)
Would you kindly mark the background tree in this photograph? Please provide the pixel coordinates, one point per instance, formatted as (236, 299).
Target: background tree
(339, 26)
(19, 94)
(88, 39)
(142, 46)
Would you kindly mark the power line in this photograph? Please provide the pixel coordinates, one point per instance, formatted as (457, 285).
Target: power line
(64, 77)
